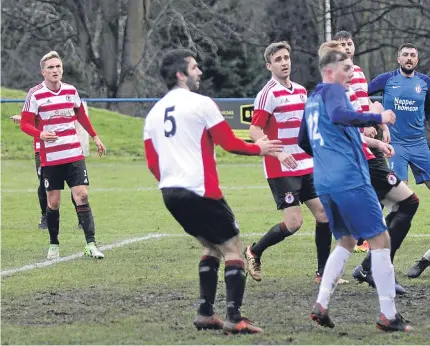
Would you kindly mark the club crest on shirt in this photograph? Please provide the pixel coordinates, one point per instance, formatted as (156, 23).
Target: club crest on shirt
(289, 198)
(392, 179)
(302, 97)
(418, 89)
(69, 98)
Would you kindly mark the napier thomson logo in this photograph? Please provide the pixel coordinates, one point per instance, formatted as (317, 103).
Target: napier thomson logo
(289, 198)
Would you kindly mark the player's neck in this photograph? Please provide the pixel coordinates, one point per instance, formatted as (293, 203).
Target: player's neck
(285, 82)
(53, 86)
(407, 75)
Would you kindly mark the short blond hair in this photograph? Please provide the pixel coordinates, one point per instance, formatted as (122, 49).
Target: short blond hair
(328, 47)
(52, 54)
(275, 47)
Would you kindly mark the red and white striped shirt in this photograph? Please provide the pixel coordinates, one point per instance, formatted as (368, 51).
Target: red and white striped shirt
(55, 111)
(279, 112)
(360, 87)
(353, 98)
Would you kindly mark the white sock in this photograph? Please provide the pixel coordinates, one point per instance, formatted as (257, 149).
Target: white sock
(427, 255)
(383, 274)
(332, 272)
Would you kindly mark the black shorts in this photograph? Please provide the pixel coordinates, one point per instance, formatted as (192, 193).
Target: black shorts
(210, 219)
(73, 173)
(381, 177)
(290, 191)
(37, 162)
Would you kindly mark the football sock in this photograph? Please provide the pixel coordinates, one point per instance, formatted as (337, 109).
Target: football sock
(333, 271)
(323, 238)
(401, 222)
(86, 219)
(367, 262)
(53, 221)
(427, 255)
(208, 274)
(74, 204)
(234, 275)
(275, 235)
(43, 200)
(383, 275)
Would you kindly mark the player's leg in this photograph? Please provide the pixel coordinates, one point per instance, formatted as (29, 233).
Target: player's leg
(403, 203)
(235, 279)
(212, 222)
(419, 156)
(188, 209)
(336, 262)
(323, 235)
(53, 179)
(286, 192)
(419, 266)
(78, 181)
(76, 210)
(41, 193)
(208, 280)
(364, 218)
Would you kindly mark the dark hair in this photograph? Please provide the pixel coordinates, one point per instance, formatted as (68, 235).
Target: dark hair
(407, 45)
(331, 57)
(174, 61)
(342, 35)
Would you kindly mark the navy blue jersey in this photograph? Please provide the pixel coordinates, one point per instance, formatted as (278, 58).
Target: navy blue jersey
(409, 98)
(330, 136)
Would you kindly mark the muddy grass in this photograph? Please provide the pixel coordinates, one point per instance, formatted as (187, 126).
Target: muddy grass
(285, 308)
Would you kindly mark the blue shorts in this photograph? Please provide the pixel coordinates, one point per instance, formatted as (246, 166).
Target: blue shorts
(355, 212)
(417, 156)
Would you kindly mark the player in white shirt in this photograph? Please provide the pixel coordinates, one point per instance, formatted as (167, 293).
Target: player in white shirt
(180, 133)
(278, 113)
(49, 114)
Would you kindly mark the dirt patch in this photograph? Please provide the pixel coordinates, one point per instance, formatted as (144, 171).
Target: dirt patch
(272, 307)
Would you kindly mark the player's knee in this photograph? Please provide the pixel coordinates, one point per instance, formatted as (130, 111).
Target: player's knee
(293, 223)
(410, 205)
(347, 242)
(320, 216)
(54, 205)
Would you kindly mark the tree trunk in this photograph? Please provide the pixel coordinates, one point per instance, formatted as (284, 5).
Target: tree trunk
(132, 53)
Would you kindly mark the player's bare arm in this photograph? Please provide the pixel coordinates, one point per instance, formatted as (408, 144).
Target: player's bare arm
(101, 149)
(385, 148)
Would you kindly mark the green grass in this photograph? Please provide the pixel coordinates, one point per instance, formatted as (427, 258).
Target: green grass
(146, 292)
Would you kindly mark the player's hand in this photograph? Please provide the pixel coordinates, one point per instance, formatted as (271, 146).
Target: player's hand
(386, 148)
(376, 107)
(101, 149)
(48, 136)
(386, 137)
(287, 160)
(388, 117)
(370, 132)
(16, 118)
(269, 147)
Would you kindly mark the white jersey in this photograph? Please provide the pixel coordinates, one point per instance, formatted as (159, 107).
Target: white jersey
(279, 112)
(55, 111)
(178, 127)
